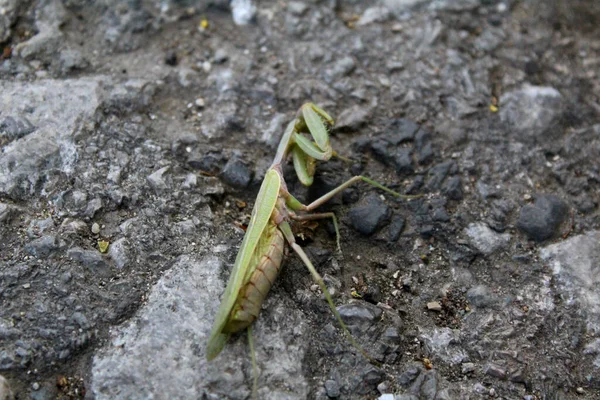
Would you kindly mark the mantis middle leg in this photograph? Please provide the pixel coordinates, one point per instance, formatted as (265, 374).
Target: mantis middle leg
(310, 217)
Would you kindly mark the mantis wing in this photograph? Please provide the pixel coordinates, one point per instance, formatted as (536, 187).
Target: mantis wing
(265, 203)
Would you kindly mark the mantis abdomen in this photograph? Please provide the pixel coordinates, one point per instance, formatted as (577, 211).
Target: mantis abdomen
(267, 259)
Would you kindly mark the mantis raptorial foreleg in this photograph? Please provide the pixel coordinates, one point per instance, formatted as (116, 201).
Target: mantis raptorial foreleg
(296, 205)
(328, 196)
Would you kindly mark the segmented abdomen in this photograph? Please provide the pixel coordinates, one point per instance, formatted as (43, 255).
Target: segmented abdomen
(266, 263)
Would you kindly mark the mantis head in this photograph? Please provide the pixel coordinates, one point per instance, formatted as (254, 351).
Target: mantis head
(314, 121)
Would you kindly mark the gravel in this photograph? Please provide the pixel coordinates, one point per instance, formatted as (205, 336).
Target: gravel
(542, 219)
(149, 126)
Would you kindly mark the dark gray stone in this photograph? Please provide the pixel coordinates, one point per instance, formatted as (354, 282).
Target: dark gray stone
(80, 319)
(120, 251)
(332, 388)
(211, 162)
(423, 146)
(401, 130)
(93, 207)
(43, 246)
(7, 361)
(370, 217)
(396, 227)
(518, 376)
(403, 161)
(408, 377)
(541, 220)
(362, 314)
(438, 173)
(90, 259)
(495, 370)
(372, 375)
(236, 173)
(453, 188)
(440, 215)
(392, 335)
(158, 180)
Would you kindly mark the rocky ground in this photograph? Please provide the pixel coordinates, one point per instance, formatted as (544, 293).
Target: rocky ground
(135, 135)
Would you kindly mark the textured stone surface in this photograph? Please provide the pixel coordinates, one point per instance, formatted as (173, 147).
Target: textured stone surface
(117, 121)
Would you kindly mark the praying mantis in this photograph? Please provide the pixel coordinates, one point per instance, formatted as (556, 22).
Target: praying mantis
(260, 256)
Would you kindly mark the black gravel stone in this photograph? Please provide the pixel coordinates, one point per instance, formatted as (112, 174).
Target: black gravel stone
(440, 215)
(402, 130)
(425, 154)
(372, 294)
(360, 144)
(372, 375)
(91, 259)
(382, 150)
(423, 146)
(368, 218)
(359, 313)
(236, 173)
(541, 220)
(408, 376)
(350, 196)
(171, 58)
(388, 147)
(211, 162)
(403, 161)
(396, 227)
(426, 231)
(453, 188)
(416, 185)
(332, 388)
(495, 371)
(324, 182)
(438, 173)
(43, 246)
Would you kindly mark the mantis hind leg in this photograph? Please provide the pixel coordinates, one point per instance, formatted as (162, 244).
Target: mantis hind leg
(319, 280)
(254, 365)
(287, 232)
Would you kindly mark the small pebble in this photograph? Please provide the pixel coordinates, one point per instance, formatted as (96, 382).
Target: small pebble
(434, 306)
(580, 390)
(35, 386)
(27, 286)
(382, 388)
(467, 367)
(95, 228)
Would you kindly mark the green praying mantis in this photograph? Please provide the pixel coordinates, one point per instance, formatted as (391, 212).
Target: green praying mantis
(259, 259)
